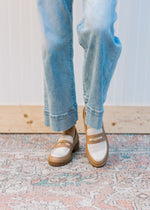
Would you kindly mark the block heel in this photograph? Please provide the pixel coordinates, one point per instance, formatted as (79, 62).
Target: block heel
(76, 146)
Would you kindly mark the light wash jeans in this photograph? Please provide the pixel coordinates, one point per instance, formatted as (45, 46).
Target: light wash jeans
(101, 52)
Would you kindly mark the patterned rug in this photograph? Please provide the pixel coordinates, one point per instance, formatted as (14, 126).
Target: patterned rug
(27, 181)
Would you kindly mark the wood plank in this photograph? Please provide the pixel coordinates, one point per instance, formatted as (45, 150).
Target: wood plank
(117, 119)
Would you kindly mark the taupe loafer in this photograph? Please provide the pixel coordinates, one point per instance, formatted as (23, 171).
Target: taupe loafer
(71, 145)
(90, 139)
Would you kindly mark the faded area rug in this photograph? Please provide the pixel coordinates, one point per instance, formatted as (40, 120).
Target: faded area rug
(27, 181)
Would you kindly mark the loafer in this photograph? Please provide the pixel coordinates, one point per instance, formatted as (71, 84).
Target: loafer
(61, 153)
(97, 156)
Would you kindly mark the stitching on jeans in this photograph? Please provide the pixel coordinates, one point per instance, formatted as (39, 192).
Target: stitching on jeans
(72, 82)
(64, 115)
(111, 65)
(93, 110)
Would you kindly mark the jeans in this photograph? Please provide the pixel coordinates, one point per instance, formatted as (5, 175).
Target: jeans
(101, 52)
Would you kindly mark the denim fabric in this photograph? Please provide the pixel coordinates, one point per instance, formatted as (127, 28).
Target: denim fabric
(101, 52)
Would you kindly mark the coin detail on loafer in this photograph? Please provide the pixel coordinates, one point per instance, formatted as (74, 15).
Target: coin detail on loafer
(97, 146)
(61, 153)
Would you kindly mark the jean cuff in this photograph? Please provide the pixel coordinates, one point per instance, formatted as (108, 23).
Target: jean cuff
(62, 122)
(93, 118)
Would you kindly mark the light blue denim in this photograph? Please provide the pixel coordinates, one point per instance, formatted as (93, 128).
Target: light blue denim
(101, 52)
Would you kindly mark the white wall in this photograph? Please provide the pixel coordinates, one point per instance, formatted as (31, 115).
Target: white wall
(21, 68)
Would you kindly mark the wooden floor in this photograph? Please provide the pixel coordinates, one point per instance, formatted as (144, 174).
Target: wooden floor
(117, 119)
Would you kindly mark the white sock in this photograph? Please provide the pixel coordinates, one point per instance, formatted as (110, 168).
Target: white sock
(97, 150)
(62, 151)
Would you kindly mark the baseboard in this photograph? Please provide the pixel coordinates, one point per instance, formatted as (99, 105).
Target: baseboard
(117, 119)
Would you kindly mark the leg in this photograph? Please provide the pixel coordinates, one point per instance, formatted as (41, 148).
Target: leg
(60, 107)
(101, 52)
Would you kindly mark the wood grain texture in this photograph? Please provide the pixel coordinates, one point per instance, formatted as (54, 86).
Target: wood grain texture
(117, 119)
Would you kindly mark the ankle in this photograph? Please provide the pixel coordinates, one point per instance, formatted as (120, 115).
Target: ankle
(70, 131)
(93, 128)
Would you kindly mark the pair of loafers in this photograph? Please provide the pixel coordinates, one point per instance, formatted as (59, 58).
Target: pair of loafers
(97, 147)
